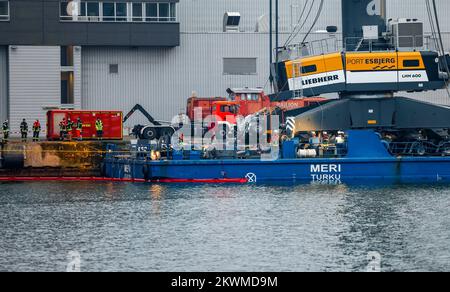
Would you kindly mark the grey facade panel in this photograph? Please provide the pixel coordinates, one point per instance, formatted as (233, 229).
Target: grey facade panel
(157, 34)
(3, 83)
(240, 66)
(35, 82)
(207, 16)
(37, 22)
(25, 23)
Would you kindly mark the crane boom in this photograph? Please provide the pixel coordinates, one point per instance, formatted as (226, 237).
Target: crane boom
(140, 108)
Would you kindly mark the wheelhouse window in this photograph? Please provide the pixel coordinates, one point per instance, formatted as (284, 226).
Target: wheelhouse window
(411, 63)
(309, 69)
(116, 11)
(229, 109)
(251, 96)
(4, 10)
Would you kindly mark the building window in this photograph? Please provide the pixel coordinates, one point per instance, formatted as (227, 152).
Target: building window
(114, 12)
(117, 11)
(109, 12)
(92, 11)
(67, 88)
(4, 10)
(83, 11)
(173, 12)
(67, 56)
(137, 12)
(64, 11)
(121, 11)
(164, 11)
(151, 11)
(114, 69)
(239, 66)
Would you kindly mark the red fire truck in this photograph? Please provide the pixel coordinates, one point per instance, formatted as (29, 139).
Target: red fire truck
(240, 102)
(248, 101)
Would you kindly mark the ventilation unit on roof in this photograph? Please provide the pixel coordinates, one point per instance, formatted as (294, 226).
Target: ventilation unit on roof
(231, 21)
(407, 33)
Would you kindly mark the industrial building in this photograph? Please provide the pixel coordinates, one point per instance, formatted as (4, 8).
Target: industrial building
(112, 54)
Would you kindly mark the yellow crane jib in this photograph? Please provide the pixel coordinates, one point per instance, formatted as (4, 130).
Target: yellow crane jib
(353, 72)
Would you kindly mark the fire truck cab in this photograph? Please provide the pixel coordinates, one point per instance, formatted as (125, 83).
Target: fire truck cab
(226, 111)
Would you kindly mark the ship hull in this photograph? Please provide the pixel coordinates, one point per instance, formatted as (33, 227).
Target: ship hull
(345, 170)
(367, 160)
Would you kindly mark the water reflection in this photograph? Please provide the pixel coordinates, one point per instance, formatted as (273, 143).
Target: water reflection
(156, 227)
(157, 192)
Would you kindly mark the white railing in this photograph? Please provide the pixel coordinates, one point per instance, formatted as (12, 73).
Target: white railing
(413, 42)
(138, 12)
(333, 44)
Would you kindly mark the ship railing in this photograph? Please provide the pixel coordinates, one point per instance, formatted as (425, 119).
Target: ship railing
(419, 148)
(311, 48)
(399, 43)
(323, 46)
(334, 44)
(332, 150)
(358, 44)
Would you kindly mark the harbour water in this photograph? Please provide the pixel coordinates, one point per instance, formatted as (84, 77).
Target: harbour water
(143, 227)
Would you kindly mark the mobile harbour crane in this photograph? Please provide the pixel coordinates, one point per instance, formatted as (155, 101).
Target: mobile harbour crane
(379, 59)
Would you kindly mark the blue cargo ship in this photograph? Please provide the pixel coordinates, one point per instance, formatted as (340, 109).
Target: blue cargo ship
(387, 138)
(365, 158)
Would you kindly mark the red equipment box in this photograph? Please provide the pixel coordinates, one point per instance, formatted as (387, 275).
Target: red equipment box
(112, 123)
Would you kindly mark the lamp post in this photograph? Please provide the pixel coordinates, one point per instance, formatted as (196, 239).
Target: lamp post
(271, 77)
(276, 39)
(271, 43)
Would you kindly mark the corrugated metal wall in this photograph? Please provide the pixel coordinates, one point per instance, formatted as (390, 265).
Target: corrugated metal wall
(207, 15)
(35, 82)
(77, 71)
(162, 79)
(3, 83)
